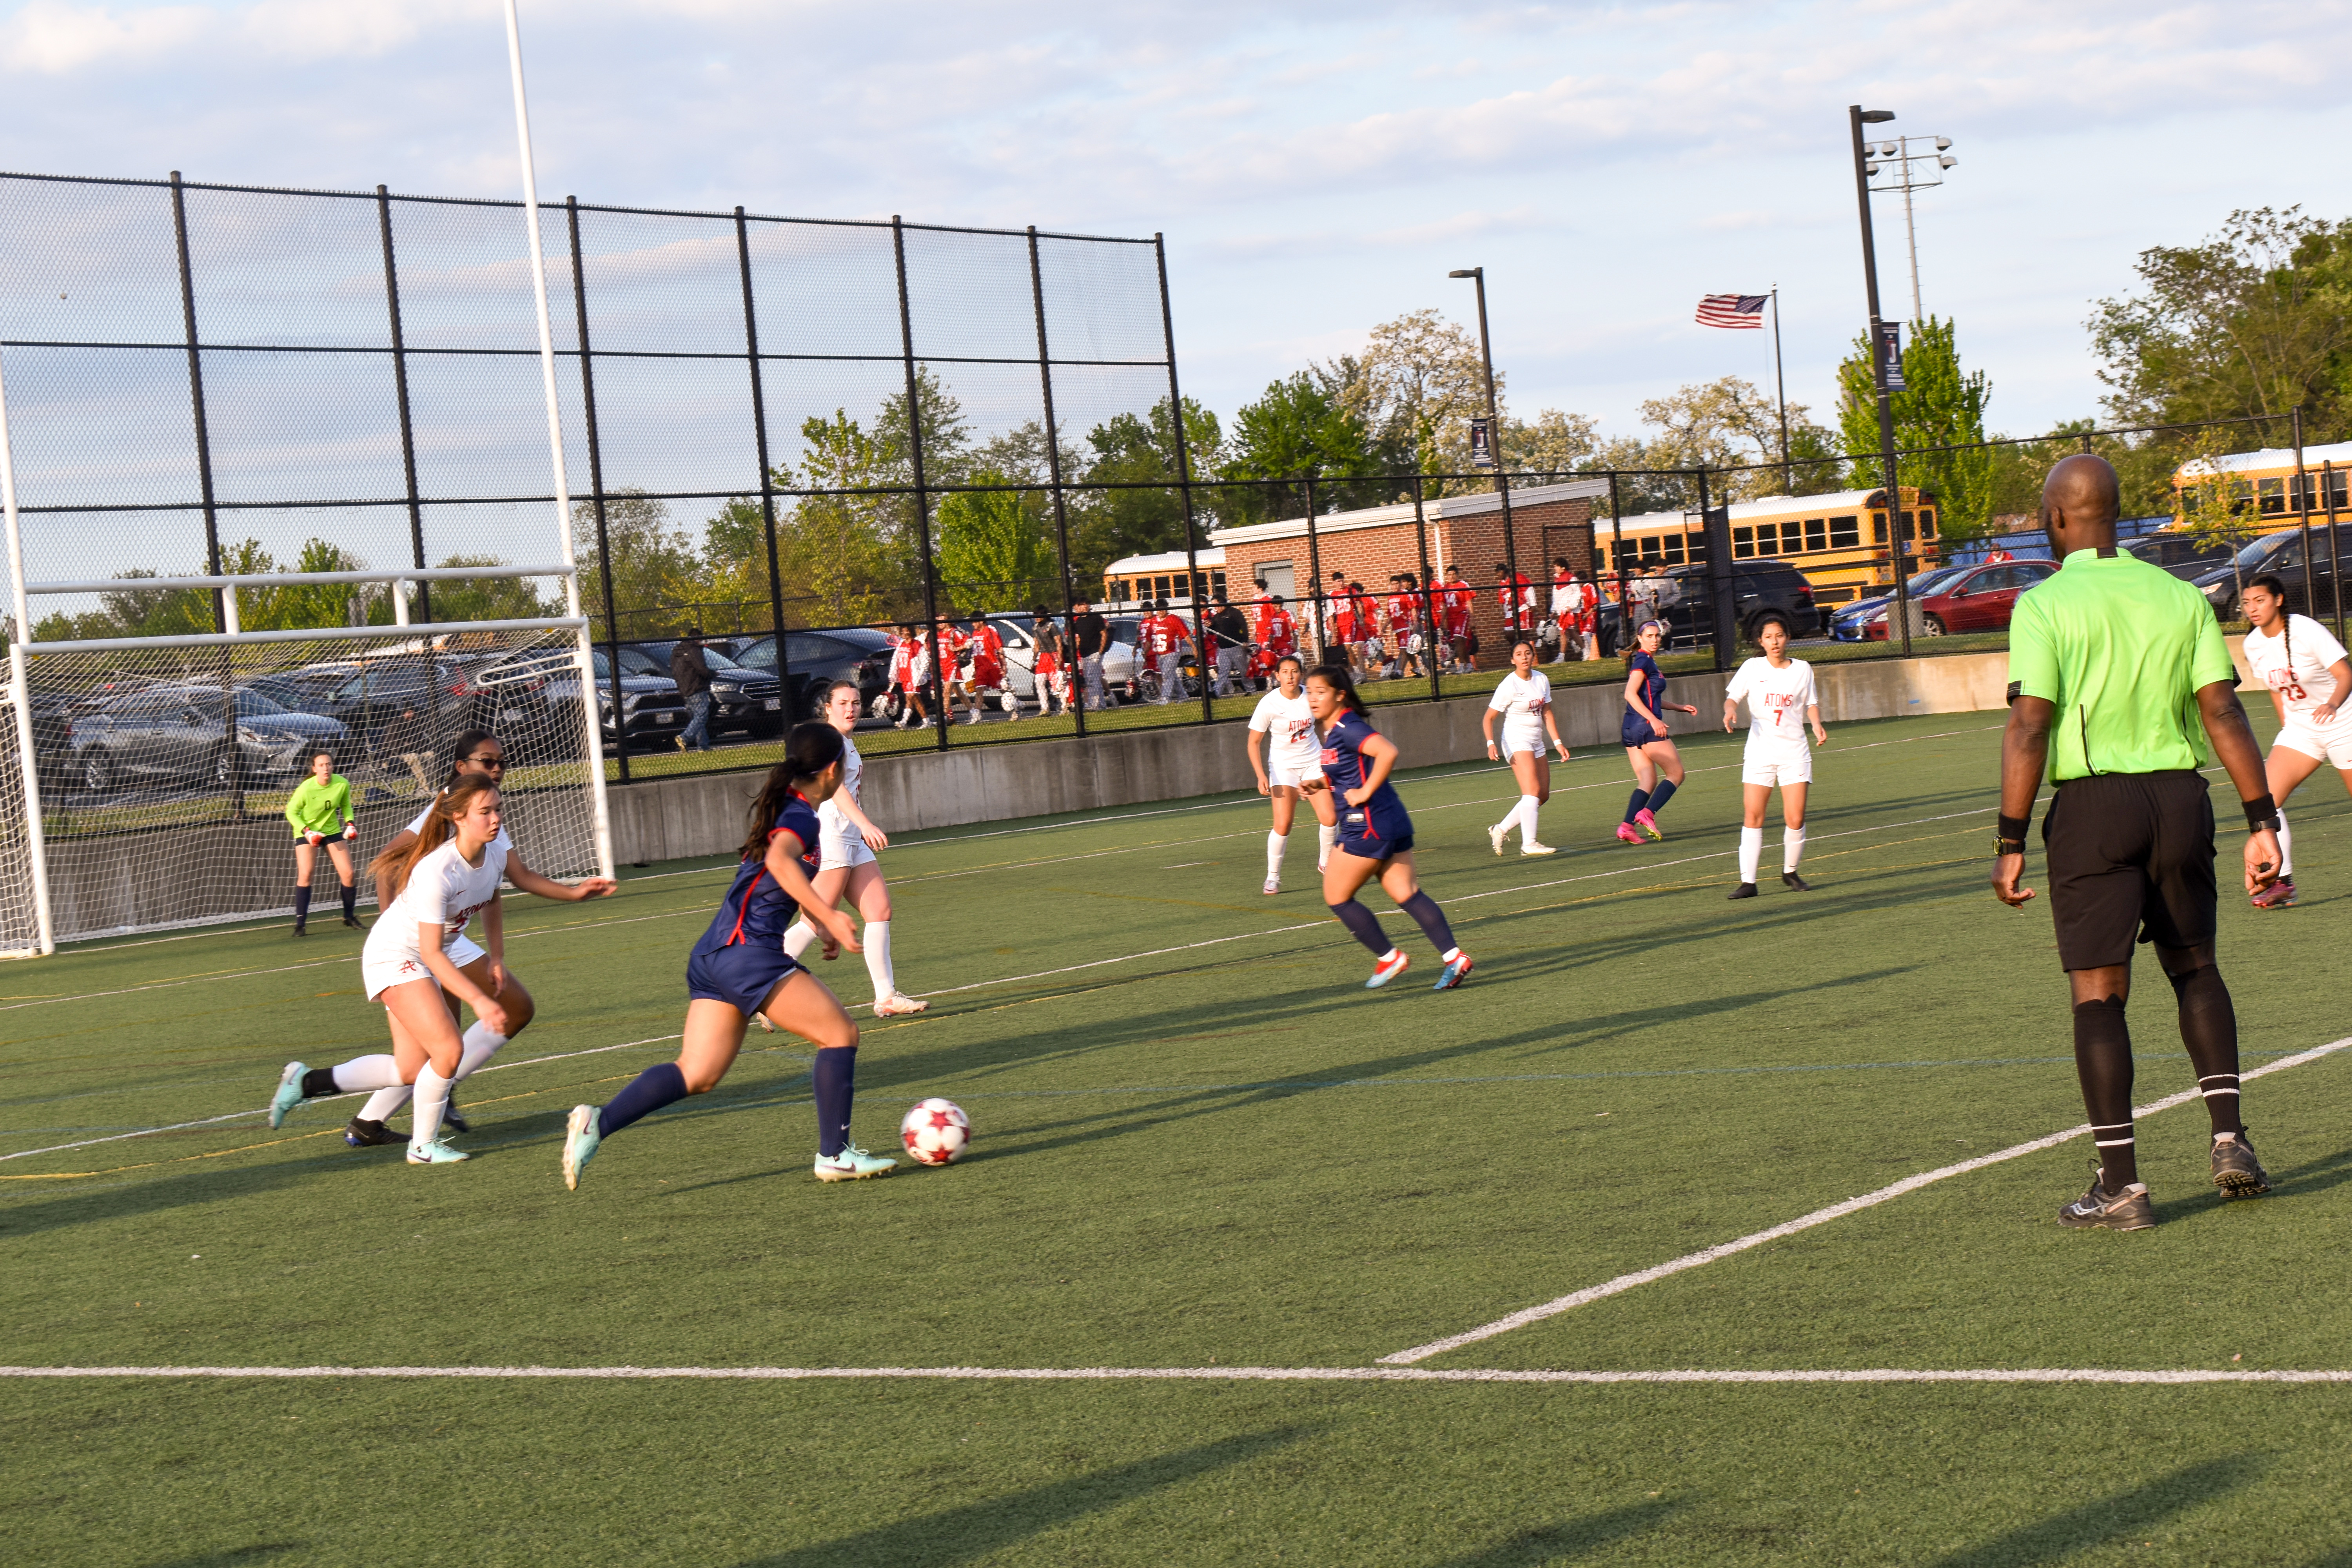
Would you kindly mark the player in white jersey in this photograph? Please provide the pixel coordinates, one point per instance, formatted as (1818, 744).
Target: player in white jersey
(1285, 755)
(1781, 702)
(847, 841)
(1523, 699)
(479, 756)
(2310, 680)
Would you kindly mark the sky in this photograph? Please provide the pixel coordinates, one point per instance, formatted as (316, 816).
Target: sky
(1317, 168)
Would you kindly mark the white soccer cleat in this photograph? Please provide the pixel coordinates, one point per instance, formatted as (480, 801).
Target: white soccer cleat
(1272, 885)
(1497, 834)
(436, 1153)
(853, 1164)
(1532, 848)
(898, 1005)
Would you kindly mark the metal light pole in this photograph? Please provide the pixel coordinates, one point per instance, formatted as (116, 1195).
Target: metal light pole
(1511, 626)
(1897, 155)
(1857, 117)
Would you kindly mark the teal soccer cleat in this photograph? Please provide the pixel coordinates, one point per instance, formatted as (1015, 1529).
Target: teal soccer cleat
(436, 1153)
(288, 1095)
(580, 1141)
(853, 1164)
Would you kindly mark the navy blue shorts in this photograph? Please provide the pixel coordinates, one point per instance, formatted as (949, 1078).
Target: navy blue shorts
(1636, 732)
(1374, 835)
(743, 976)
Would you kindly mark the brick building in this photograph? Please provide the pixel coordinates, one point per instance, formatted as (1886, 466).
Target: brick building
(1548, 521)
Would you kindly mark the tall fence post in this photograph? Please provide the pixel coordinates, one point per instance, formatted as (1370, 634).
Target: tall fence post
(2303, 520)
(2335, 545)
(1428, 595)
(1076, 676)
(1723, 601)
(1318, 614)
(1193, 580)
(922, 497)
(196, 398)
(407, 430)
(596, 493)
(767, 481)
(1617, 563)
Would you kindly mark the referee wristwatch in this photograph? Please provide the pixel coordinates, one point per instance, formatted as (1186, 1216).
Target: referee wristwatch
(2008, 836)
(2262, 812)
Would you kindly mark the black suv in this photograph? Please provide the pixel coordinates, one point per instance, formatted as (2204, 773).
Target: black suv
(743, 698)
(1758, 586)
(816, 659)
(411, 702)
(2281, 552)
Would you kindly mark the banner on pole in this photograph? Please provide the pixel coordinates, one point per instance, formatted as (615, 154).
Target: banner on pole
(1482, 444)
(1890, 356)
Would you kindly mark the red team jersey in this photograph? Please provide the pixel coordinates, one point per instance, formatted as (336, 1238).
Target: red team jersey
(1454, 609)
(1276, 632)
(1163, 634)
(1516, 617)
(1401, 608)
(987, 655)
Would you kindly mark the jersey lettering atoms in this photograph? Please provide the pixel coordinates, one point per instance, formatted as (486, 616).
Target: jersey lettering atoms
(1289, 729)
(1777, 701)
(755, 910)
(2301, 681)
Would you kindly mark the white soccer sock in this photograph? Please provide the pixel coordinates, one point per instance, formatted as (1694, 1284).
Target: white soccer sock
(2286, 847)
(481, 1045)
(1275, 843)
(383, 1103)
(367, 1072)
(799, 937)
(432, 1100)
(1324, 838)
(1524, 814)
(875, 939)
(1751, 852)
(1793, 848)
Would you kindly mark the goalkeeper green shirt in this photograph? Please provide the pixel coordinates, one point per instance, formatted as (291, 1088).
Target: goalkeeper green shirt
(316, 807)
(2120, 648)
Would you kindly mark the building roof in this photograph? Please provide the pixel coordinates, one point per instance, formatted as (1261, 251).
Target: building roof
(1437, 509)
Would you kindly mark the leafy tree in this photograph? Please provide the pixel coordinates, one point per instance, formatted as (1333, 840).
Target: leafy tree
(1131, 449)
(1939, 405)
(993, 552)
(1421, 382)
(655, 567)
(489, 598)
(1300, 424)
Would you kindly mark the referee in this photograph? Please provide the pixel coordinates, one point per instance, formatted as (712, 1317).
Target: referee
(2115, 666)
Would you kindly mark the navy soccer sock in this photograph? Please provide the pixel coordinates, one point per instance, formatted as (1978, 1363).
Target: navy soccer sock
(1634, 806)
(835, 1078)
(2103, 1061)
(301, 905)
(1432, 920)
(647, 1092)
(350, 901)
(1365, 924)
(1662, 791)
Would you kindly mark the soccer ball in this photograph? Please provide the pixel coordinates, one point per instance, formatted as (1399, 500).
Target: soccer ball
(936, 1133)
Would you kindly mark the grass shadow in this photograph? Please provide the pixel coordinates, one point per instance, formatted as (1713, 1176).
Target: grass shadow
(1561, 1542)
(235, 1556)
(2103, 1520)
(979, 1529)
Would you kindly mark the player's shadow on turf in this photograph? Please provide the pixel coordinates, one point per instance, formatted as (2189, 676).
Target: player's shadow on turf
(1561, 1542)
(234, 1557)
(2118, 1517)
(977, 1529)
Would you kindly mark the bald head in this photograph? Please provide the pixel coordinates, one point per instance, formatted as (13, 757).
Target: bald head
(2080, 501)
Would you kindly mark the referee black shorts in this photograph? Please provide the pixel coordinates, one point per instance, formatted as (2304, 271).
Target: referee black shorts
(2131, 858)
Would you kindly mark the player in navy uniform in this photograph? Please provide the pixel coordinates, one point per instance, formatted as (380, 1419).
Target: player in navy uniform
(740, 968)
(1375, 833)
(1657, 766)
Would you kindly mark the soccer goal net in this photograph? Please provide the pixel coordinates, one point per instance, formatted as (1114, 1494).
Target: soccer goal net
(155, 772)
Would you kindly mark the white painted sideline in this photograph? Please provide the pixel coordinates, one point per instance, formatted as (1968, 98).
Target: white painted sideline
(1203, 1374)
(1624, 1282)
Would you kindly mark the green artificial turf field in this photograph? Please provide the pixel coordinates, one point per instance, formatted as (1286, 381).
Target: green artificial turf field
(1202, 1146)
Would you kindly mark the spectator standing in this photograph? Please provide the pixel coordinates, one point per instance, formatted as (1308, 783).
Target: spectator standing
(1052, 670)
(2118, 678)
(1518, 597)
(1089, 640)
(1229, 636)
(1164, 635)
(1453, 601)
(691, 672)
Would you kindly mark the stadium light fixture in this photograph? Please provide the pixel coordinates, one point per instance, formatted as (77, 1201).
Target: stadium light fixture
(1899, 614)
(1876, 116)
(1907, 171)
(1478, 275)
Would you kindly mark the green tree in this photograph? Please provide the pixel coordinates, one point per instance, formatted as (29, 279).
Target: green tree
(489, 598)
(1298, 424)
(1131, 449)
(994, 552)
(654, 566)
(1940, 406)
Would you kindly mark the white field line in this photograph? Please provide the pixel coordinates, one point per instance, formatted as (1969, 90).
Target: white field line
(1204, 1374)
(1624, 1282)
(324, 1098)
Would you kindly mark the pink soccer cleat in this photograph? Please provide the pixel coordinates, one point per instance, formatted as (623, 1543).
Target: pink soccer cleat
(1625, 834)
(2279, 895)
(1648, 824)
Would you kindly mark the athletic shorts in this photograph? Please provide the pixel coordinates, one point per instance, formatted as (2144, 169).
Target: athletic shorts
(849, 850)
(1373, 835)
(2131, 858)
(1773, 771)
(379, 972)
(1516, 740)
(2332, 746)
(743, 976)
(1635, 731)
(1280, 776)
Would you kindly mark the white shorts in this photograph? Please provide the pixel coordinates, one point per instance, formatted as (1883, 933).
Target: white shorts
(2332, 746)
(1281, 776)
(1515, 740)
(380, 972)
(1771, 772)
(850, 851)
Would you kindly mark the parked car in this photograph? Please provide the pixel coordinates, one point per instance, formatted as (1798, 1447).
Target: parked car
(400, 701)
(651, 713)
(742, 699)
(303, 691)
(1683, 595)
(2281, 552)
(1846, 624)
(2184, 554)
(1970, 599)
(815, 660)
(182, 732)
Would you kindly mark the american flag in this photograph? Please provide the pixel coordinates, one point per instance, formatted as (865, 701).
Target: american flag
(1733, 310)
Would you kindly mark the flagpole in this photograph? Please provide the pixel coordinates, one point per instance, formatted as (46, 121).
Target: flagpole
(1781, 385)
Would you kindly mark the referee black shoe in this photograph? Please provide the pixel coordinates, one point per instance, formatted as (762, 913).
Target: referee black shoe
(364, 1134)
(2236, 1171)
(1795, 883)
(2100, 1209)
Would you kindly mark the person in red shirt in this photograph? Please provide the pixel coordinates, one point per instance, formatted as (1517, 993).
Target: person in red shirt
(1164, 640)
(902, 675)
(987, 671)
(1276, 632)
(1518, 597)
(1405, 625)
(1453, 601)
(1336, 624)
(955, 669)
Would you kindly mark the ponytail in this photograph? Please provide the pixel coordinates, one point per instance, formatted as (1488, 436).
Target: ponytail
(810, 750)
(393, 867)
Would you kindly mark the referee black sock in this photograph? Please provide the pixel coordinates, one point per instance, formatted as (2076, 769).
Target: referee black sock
(2103, 1061)
(1661, 792)
(1635, 806)
(2209, 1027)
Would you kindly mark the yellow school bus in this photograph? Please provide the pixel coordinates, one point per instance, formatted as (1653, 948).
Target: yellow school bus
(2262, 484)
(1838, 541)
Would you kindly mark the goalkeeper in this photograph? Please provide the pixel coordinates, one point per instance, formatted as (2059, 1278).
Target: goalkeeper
(320, 810)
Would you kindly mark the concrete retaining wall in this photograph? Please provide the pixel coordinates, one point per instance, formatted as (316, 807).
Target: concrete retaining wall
(673, 818)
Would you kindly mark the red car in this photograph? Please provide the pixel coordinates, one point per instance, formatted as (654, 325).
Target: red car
(1977, 601)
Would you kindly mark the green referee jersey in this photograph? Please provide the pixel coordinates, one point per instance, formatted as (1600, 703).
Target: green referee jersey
(314, 807)
(2120, 648)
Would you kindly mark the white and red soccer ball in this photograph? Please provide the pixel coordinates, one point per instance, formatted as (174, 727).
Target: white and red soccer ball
(936, 1133)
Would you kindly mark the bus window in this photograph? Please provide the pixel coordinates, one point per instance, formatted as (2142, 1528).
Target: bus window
(2274, 496)
(1673, 549)
(1845, 533)
(1743, 543)
(1928, 524)
(1698, 549)
(1817, 533)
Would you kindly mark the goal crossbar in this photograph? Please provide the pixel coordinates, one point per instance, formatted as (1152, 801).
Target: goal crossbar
(420, 630)
(299, 579)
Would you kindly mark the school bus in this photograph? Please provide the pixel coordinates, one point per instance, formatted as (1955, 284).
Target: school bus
(2262, 484)
(1823, 536)
(1134, 580)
